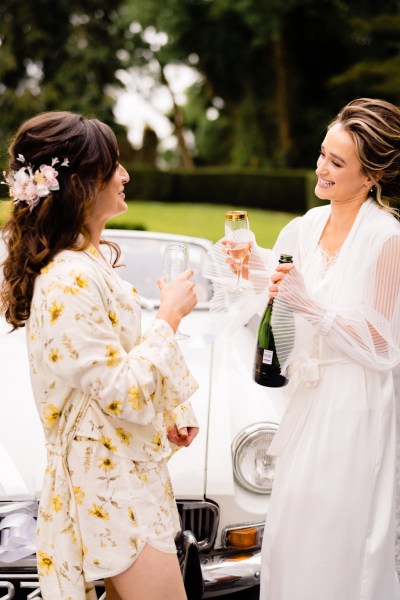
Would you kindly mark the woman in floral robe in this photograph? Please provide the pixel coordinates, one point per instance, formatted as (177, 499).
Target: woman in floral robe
(112, 401)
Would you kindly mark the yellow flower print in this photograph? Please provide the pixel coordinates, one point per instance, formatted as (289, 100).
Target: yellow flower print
(113, 355)
(114, 407)
(131, 515)
(47, 268)
(54, 355)
(45, 563)
(55, 311)
(105, 463)
(156, 441)
(107, 442)
(96, 562)
(135, 543)
(123, 435)
(57, 503)
(134, 397)
(143, 478)
(45, 516)
(79, 494)
(79, 279)
(92, 250)
(51, 413)
(113, 318)
(134, 291)
(168, 491)
(99, 512)
(67, 342)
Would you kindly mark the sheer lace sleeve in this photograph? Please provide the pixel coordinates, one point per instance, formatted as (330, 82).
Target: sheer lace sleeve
(367, 331)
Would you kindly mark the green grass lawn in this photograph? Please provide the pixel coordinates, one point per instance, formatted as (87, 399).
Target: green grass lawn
(203, 220)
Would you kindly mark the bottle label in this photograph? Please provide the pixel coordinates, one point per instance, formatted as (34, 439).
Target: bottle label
(267, 357)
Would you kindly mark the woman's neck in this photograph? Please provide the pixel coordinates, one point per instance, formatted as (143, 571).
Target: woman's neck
(343, 215)
(95, 231)
(339, 225)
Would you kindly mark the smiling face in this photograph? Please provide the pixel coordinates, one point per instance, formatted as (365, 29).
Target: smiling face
(339, 171)
(110, 200)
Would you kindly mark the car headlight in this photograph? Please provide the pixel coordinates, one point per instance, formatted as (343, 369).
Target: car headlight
(252, 466)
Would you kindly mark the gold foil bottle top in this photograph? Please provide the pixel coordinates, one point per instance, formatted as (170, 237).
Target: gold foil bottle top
(236, 215)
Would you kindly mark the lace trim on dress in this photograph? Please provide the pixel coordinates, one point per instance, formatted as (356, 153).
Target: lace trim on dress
(328, 260)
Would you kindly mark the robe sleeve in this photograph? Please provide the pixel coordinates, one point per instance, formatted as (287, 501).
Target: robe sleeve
(368, 333)
(263, 261)
(82, 348)
(239, 305)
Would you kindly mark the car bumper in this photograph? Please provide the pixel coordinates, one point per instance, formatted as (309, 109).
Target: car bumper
(227, 572)
(222, 572)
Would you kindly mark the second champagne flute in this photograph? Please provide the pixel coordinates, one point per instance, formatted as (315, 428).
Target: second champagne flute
(237, 232)
(176, 260)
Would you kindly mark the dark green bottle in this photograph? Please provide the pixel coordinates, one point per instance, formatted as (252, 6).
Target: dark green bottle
(267, 370)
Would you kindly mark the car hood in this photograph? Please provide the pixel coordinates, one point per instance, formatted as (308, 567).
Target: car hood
(22, 444)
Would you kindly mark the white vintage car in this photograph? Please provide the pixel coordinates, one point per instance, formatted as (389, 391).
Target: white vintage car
(222, 482)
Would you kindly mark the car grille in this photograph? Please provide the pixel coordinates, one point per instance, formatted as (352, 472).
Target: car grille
(202, 519)
(19, 580)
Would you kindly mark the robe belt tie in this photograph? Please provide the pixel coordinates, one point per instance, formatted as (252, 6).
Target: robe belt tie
(309, 369)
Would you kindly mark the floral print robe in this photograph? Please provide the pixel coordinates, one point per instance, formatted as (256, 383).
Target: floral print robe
(105, 394)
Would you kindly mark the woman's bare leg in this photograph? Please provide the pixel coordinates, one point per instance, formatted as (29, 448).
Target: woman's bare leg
(154, 574)
(111, 592)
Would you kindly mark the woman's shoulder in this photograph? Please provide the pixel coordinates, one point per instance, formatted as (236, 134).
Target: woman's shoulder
(67, 265)
(317, 213)
(380, 222)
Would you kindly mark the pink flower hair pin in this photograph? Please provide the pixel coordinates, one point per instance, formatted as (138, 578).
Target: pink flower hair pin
(26, 185)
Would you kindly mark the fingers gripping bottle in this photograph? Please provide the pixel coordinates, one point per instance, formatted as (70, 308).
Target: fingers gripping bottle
(267, 370)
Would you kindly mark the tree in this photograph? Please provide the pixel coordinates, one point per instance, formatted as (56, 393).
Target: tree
(275, 71)
(60, 55)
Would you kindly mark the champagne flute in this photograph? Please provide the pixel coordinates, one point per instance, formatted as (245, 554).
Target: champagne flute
(237, 232)
(176, 260)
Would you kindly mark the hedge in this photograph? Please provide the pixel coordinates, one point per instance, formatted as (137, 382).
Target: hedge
(287, 190)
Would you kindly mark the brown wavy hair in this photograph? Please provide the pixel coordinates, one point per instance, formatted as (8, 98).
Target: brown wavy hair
(58, 222)
(375, 128)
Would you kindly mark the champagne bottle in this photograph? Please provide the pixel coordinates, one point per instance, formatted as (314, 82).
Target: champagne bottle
(267, 370)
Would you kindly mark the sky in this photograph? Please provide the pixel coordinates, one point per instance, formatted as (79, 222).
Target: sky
(143, 102)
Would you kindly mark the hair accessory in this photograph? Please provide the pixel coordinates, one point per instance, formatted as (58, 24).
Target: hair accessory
(30, 186)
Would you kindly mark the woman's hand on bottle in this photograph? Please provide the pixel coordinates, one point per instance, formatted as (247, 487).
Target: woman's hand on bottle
(277, 278)
(177, 299)
(183, 436)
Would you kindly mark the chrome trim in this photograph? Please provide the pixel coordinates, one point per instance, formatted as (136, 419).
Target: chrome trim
(225, 573)
(29, 582)
(202, 518)
(239, 440)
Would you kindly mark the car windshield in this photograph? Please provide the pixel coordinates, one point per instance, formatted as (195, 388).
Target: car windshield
(141, 261)
(142, 255)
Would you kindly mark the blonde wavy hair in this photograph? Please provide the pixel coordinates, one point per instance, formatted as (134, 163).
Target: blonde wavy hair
(375, 128)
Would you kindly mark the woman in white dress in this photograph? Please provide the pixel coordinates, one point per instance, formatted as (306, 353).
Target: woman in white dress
(110, 399)
(330, 529)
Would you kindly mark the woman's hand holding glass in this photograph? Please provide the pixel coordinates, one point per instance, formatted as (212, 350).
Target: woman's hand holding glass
(177, 289)
(237, 243)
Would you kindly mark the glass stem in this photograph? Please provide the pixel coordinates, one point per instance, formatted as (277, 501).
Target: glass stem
(239, 273)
